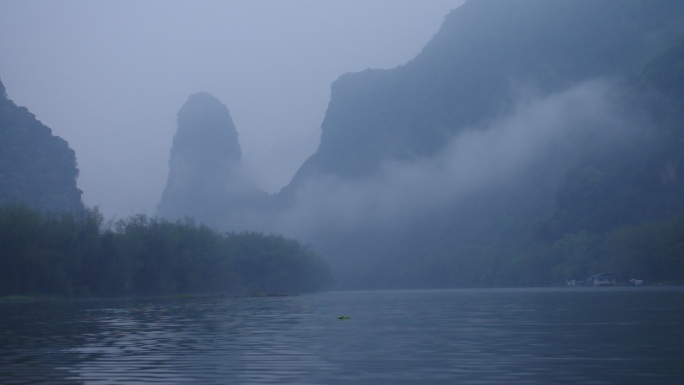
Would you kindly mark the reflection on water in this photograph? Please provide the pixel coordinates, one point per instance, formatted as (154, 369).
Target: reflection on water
(541, 336)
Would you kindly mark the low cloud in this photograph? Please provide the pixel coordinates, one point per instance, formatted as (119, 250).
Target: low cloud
(539, 129)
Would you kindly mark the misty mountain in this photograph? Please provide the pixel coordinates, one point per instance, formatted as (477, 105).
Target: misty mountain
(529, 142)
(487, 54)
(37, 168)
(206, 180)
(457, 167)
(50, 244)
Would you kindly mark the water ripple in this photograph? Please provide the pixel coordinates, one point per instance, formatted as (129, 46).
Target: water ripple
(549, 336)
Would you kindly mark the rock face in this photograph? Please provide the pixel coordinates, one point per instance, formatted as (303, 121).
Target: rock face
(205, 179)
(37, 169)
(485, 55)
(488, 58)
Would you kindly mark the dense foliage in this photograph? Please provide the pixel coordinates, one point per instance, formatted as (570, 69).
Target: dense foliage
(80, 255)
(37, 168)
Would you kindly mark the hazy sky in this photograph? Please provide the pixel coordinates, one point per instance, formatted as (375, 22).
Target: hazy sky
(110, 76)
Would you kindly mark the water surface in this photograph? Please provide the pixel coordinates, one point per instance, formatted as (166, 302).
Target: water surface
(530, 336)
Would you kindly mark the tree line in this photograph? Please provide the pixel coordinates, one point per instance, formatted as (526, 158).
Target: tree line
(79, 254)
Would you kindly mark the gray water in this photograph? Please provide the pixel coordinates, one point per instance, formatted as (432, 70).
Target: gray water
(531, 336)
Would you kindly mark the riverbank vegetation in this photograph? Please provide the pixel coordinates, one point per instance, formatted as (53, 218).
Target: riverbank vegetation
(81, 255)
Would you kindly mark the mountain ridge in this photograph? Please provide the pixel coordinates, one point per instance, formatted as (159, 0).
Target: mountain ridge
(466, 90)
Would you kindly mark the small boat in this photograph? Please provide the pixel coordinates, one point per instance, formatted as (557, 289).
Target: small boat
(603, 279)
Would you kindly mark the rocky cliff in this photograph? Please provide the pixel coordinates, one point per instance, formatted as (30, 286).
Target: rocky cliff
(443, 171)
(485, 56)
(37, 168)
(205, 178)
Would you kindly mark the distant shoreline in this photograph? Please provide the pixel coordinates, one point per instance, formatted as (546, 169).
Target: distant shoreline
(55, 299)
(59, 299)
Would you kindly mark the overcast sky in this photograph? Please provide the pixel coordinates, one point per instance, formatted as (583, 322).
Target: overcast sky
(110, 76)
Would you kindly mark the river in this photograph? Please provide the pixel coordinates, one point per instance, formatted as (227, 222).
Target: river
(621, 335)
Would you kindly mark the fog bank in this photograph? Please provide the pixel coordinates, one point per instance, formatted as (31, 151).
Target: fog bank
(499, 155)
